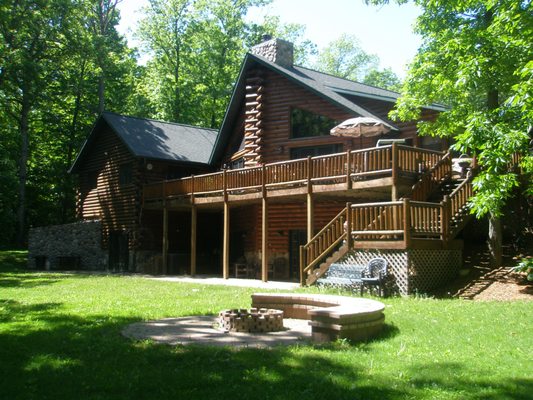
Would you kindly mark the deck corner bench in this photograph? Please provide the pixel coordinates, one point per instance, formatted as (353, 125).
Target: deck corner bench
(331, 317)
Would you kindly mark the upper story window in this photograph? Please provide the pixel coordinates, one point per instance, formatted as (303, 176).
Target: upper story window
(308, 124)
(313, 151)
(125, 174)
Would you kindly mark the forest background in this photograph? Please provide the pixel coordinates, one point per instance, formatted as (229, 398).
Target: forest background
(62, 62)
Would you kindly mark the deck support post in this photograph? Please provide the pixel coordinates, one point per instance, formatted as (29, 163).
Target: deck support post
(225, 249)
(165, 240)
(310, 216)
(194, 217)
(395, 171)
(406, 223)
(264, 240)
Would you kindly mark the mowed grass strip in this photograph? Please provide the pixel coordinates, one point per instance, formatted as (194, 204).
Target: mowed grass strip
(60, 339)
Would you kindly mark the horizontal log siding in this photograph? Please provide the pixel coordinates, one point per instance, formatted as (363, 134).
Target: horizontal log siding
(281, 219)
(280, 96)
(114, 205)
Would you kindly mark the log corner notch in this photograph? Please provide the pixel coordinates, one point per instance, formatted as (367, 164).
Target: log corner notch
(253, 132)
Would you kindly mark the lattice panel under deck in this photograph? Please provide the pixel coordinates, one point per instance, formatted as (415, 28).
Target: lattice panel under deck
(429, 269)
(397, 264)
(413, 270)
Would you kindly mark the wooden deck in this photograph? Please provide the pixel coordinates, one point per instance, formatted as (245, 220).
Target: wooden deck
(375, 173)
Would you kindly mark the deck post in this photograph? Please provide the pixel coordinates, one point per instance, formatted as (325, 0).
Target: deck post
(194, 215)
(264, 240)
(165, 240)
(225, 248)
(348, 170)
(302, 265)
(349, 225)
(406, 223)
(395, 171)
(445, 217)
(310, 216)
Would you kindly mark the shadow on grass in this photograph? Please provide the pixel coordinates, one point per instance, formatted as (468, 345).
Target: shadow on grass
(452, 378)
(66, 356)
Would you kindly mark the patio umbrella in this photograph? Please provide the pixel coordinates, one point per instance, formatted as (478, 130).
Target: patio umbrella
(359, 127)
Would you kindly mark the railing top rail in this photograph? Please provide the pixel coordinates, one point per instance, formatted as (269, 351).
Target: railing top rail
(461, 186)
(339, 215)
(389, 146)
(424, 203)
(421, 150)
(384, 203)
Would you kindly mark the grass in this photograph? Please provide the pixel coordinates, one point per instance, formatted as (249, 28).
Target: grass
(60, 339)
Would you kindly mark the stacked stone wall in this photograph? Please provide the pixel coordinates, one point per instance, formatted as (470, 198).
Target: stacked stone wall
(70, 246)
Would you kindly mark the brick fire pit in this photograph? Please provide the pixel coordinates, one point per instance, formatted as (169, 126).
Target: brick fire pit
(252, 320)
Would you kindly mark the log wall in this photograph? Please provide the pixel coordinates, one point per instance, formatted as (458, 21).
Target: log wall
(275, 97)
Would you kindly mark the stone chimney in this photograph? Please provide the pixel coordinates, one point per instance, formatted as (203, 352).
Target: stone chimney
(278, 51)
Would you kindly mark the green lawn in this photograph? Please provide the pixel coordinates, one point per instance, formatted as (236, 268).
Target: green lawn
(60, 339)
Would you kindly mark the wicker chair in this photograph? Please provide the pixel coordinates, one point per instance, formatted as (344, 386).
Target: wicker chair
(375, 275)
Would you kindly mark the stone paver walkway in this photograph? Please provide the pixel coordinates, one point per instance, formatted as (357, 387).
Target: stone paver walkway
(202, 330)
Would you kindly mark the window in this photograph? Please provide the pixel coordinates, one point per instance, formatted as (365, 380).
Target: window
(125, 176)
(303, 152)
(307, 124)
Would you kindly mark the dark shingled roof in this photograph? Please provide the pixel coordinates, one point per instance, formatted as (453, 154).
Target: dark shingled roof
(157, 140)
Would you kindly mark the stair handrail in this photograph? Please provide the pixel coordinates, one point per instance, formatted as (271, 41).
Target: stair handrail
(426, 183)
(455, 201)
(340, 218)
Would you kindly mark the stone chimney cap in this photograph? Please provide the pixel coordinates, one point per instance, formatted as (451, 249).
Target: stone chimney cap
(277, 51)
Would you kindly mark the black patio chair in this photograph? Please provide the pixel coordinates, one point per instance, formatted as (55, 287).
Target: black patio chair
(375, 275)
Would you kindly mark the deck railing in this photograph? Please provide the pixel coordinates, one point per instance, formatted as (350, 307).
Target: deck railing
(329, 169)
(432, 178)
(398, 221)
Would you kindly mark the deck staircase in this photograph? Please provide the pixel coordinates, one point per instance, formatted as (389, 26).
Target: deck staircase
(436, 209)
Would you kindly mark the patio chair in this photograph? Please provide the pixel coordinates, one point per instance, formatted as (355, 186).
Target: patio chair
(375, 275)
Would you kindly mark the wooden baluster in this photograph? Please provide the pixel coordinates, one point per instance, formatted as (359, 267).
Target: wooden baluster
(349, 227)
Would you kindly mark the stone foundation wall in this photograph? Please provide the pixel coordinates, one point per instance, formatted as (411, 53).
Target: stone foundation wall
(70, 246)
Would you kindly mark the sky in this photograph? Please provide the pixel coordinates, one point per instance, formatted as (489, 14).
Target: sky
(386, 31)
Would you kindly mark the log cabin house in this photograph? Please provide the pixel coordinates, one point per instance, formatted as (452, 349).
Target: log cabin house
(272, 195)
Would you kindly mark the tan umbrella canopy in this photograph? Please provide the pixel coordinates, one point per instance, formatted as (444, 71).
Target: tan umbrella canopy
(359, 127)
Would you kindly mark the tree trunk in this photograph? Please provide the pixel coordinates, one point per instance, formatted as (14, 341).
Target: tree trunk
(101, 94)
(23, 168)
(495, 241)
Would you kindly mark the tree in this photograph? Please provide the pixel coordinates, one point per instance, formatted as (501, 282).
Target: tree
(345, 58)
(32, 37)
(385, 79)
(476, 57)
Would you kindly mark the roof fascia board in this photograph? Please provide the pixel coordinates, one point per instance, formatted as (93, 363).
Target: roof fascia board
(231, 105)
(435, 107)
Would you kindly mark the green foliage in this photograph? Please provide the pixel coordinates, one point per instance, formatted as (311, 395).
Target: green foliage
(476, 58)
(345, 58)
(60, 338)
(385, 79)
(525, 266)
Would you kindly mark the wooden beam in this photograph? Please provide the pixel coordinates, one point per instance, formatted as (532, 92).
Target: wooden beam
(310, 216)
(225, 249)
(194, 215)
(264, 240)
(165, 240)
